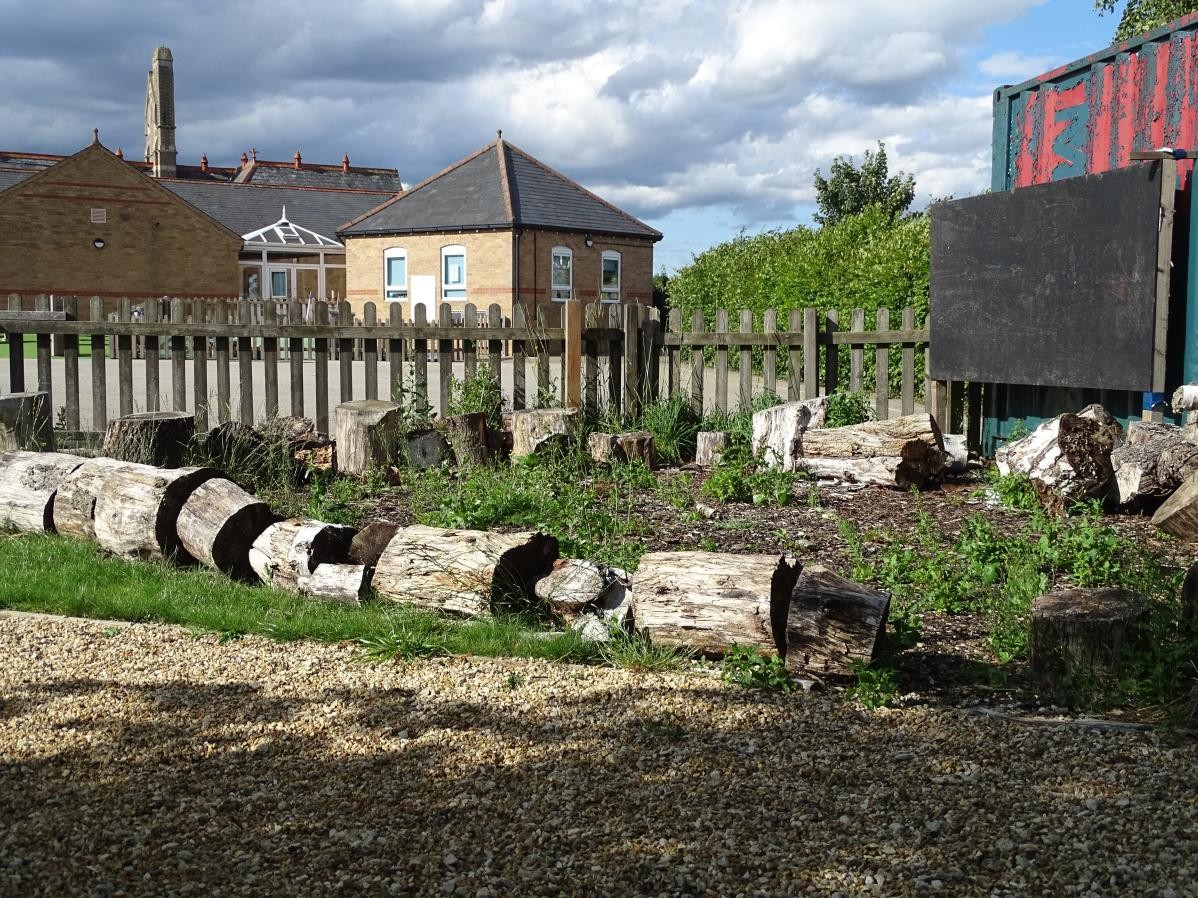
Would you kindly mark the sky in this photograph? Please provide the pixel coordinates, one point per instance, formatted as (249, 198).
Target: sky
(702, 118)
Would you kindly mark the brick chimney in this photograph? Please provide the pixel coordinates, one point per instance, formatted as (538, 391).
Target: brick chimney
(298, 159)
(160, 114)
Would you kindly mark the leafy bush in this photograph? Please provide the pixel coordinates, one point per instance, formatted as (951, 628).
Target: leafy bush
(481, 393)
(738, 477)
(674, 426)
(745, 666)
(848, 408)
(877, 684)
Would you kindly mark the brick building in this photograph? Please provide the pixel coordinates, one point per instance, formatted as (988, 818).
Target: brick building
(497, 227)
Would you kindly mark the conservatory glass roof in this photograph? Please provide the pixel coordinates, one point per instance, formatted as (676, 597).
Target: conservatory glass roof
(287, 233)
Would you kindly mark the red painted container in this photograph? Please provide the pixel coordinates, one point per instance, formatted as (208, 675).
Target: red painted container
(1089, 115)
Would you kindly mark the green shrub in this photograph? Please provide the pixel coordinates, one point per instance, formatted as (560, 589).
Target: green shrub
(848, 408)
(746, 666)
(877, 684)
(674, 426)
(738, 477)
(482, 393)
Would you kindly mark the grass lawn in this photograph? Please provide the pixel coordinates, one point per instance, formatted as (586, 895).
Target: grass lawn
(85, 347)
(59, 575)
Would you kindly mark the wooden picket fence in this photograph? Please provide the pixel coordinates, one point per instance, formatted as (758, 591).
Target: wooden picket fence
(603, 356)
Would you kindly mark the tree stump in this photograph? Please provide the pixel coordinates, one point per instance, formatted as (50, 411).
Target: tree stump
(709, 446)
(426, 449)
(151, 438)
(712, 601)
(367, 435)
(25, 422)
(130, 510)
(369, 542)
(778, 430)
(468, 572)
(1151, 465)
(1082, 633)
(901, 452)
(833, 623)
(468, 436)
(536, 430)
(287, 551)
(345, 583)
(218, 526)
(29, 483)
(637, 445)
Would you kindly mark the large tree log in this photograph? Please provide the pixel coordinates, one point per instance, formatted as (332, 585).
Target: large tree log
(287, 551)
(1178, 514)
(709, 446)
(833, 623)
(574, 586)
(468, 435)
(911, 447)
(219, 524)
(468, 572)
(712, 601)
(29, 482)
(367, 435)
(1067, 458)
(369, 542)
(778, 430)
(151, 438)
(1152, 464)
(25, 422)
(345, 583)
(131, 510)
(535, 430)
(1082, 633)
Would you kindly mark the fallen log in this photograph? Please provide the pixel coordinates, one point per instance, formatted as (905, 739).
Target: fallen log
(25, 422)
(637, 445)
(1067, 458)
(1081, 633)
(369, 542)
(287, 551)
(574, 586)
(469, 572)
(902, 452)
(345, 583)
(1151, 465)
(367, 435)
(129, 509)
(712, 601)
(778, 430)
(151, 438)
(218, 526)
(833, 623)
(1178, 514)
(709, 446)
(29, 483)
(536, 430)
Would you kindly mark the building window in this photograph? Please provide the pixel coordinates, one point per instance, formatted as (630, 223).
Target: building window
(453, 273)
(395, 273)
(561, 273)
(609, 279)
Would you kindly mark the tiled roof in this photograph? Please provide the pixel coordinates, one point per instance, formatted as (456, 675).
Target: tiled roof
(384, 180)
(9, 177)
(500, 186)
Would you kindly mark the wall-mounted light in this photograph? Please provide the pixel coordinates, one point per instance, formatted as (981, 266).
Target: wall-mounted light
(98, 243)
(588, 240)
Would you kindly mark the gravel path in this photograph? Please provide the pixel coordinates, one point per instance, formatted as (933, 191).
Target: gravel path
(136, 760)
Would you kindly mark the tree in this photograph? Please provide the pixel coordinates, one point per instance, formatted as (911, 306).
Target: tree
(1144, 15)
(849, 190)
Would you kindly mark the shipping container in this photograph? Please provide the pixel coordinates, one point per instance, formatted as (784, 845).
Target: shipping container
(1086, 117)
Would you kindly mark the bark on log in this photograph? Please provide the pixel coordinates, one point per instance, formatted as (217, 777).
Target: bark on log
(635, 445)
(1082, 632)
(469, 572)
(219, 524)
(29, 482)
(287, 551)
(1068, 458)
(906, 451)
(297, 432)
(778, 430)
(833, 623)
(25, 422)
(1178, 514)
(709, 446)
(130, 510)
(345, 583)
(367, 435)
(1151, 465)
(369, 542)
(468, 436)
(151, 438)
(712, 601)
(535, 430)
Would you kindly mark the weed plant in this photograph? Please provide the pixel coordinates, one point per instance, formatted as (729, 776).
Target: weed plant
(482, 393)
(636, 651)
(848, 408)
(745, 666)
(738, 477)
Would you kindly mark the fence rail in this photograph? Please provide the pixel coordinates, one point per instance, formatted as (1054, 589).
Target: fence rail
(604, 356)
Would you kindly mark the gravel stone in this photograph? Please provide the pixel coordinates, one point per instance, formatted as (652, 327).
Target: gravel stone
(150, 762)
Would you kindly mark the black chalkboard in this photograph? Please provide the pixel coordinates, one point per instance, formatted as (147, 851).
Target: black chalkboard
(1051, 285)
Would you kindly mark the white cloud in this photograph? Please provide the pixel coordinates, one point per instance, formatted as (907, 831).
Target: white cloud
(1013, 65)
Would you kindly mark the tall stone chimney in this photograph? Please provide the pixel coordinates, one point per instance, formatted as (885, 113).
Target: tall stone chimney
(160, 114)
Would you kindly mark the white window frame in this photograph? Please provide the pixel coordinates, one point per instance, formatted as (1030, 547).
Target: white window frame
(611, 294)
(556, 293)
(395, 292)
(454, 249)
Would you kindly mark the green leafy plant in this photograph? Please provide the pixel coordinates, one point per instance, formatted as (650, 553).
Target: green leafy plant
(482, 393)
(674, 426)
(514, 681)
(877, 685)
(745, 666)
(738, 477)
(1013, 490)
(848, 408)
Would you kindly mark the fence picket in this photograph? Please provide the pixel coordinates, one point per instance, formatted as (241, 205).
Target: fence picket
(857, 354)
(444, 360)
(321, 312)
(370, 352)
(831, 352)
(544, 387)
(153, 316)
(721, 361)
(270, 359)
(345, 353)
(99, 369)
(395, 355)
(70, 366)
(745, 374)
(615, 357)
(769, 355)
(199, 367)
(882, 369)
(632, 378)
(908, 362)
(179, 359)
(698, 363)
(794, 361)
(469, 349)
(245, 367)
(519, 359)
(495, 347)
(16, 352)
(674, 356)
(124, 354)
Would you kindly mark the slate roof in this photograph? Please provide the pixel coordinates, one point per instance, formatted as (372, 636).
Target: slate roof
(498, 187)
(384, 180)
(9, 177)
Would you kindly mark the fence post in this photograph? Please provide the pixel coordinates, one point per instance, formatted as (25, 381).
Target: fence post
(590, 380)
(124, 352)
(698, 363)
(370, 352)
(270, 359)
(321, 315)
(908, 362)
(519, 359)
(882, 369)
(70, 364)
(469, 346)
(973, 432)
(153, 316)
(650, 354)
(395, 355)
(16, 352)
(857, 354)
(99, 371)
(721, 360)
(295, 359)
(444, 360)
(573, 316)
(810, 354)
(832, 356)
(178, 359)
(345, 353)
(631, 361)
(769, 355)
(745, 374)
(199, 368)
(245, 366)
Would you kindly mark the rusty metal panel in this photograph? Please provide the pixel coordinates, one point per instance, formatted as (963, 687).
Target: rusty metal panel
(1088, 116)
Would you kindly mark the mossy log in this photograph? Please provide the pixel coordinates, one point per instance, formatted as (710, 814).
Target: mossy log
(151, 438)
(1079, 634)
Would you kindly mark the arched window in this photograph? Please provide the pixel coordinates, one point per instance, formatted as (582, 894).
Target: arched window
(395, 273)
(609, 277)
(453, 273)
(561, 273)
